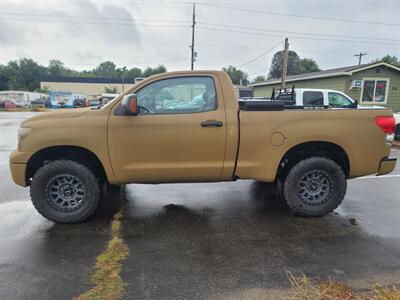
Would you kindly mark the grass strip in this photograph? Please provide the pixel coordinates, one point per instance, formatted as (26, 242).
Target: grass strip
(106, 279)
(304, 288)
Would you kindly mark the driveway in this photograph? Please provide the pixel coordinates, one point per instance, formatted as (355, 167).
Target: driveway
(198, 241)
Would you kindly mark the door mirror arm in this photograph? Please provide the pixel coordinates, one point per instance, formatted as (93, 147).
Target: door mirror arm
(354, 104)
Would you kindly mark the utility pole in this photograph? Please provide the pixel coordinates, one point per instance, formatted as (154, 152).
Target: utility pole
(360, 55)
(192, 46)
(123, 78)
(284, 64)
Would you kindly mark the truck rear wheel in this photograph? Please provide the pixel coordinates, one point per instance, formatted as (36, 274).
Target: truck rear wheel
(65, 191)
(314, 187)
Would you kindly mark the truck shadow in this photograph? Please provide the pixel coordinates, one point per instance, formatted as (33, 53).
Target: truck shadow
(211, 239)
(240, 242)
(112, 201)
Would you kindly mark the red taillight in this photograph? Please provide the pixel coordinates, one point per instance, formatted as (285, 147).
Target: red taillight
(386, 123)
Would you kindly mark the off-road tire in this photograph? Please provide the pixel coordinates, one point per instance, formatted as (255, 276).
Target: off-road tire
(301, 199)
(44, 176)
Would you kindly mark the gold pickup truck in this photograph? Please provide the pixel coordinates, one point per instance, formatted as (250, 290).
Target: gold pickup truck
(190, 127)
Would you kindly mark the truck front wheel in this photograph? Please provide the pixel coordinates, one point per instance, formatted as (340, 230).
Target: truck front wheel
(314, 187)
(65, 191)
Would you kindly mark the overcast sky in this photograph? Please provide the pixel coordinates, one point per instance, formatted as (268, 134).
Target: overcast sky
(83, 33)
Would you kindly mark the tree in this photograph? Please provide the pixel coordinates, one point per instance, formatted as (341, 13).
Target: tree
(3, 78)
(133, 73)
(124, 73)
(259, 78)
(296, 65)
(106, 69)
(308, 65)
(111, 90)
(120, 72)
(44, 90)
(24, 74)
(56, 67)
(390, 59)
(149, 71)
(276, 64)
(237, 76)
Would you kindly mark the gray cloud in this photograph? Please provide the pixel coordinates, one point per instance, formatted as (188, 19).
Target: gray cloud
(81, 45)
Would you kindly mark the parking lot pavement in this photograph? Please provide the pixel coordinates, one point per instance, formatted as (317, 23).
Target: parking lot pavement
(199, 241)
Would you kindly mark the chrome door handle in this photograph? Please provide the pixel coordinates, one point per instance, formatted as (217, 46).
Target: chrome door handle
(211, 123)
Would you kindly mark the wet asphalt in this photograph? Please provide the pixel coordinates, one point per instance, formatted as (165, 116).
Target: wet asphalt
(232, 240)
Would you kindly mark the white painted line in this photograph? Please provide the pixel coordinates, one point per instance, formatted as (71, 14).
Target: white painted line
(378, 177)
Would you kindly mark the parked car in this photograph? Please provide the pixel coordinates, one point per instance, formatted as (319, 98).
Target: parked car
(7, 104)
(95, 102)
(68, 157)
(313, 97)
(39, 102)
(79, 103)
(397, 131)
(104, 98)
(305, 97)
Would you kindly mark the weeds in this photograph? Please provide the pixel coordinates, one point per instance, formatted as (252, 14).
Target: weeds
(106, 278)
(304, 288)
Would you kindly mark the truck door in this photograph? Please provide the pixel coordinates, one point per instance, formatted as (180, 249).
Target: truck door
(179, 133)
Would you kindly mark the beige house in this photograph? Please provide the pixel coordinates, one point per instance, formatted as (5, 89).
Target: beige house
(370, 84)
(85, 85)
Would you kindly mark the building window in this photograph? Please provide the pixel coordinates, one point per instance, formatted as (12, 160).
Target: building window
(374, 90)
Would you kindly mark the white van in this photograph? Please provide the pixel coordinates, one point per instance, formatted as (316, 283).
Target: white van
(21, 98)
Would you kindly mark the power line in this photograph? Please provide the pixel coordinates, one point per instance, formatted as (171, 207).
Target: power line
(261, 55)
(141, 63)
(191, 2)
(297, 37)
(296, 32)
(258, 71)
(98, 23)
(90, 17)
(298, 16)
(172, 21)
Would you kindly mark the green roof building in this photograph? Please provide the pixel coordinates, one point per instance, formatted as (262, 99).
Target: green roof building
(370, 84)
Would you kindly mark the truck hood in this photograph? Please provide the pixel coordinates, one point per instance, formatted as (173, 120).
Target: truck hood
(58, 114)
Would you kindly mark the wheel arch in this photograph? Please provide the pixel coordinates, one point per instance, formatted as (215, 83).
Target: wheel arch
(310, 149)
(75, 153)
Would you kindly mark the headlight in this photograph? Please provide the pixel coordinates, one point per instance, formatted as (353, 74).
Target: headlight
(22, 132)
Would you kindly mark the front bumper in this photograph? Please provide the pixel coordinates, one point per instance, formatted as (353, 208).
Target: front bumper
(18, 173)
(18, 167)
(387, 165)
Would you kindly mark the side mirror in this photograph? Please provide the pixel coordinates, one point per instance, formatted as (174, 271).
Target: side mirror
(129, 105)
(354, 104)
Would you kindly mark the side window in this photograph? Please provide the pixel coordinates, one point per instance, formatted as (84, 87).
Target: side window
(312, 98)
(338, 100)
(177, 96)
